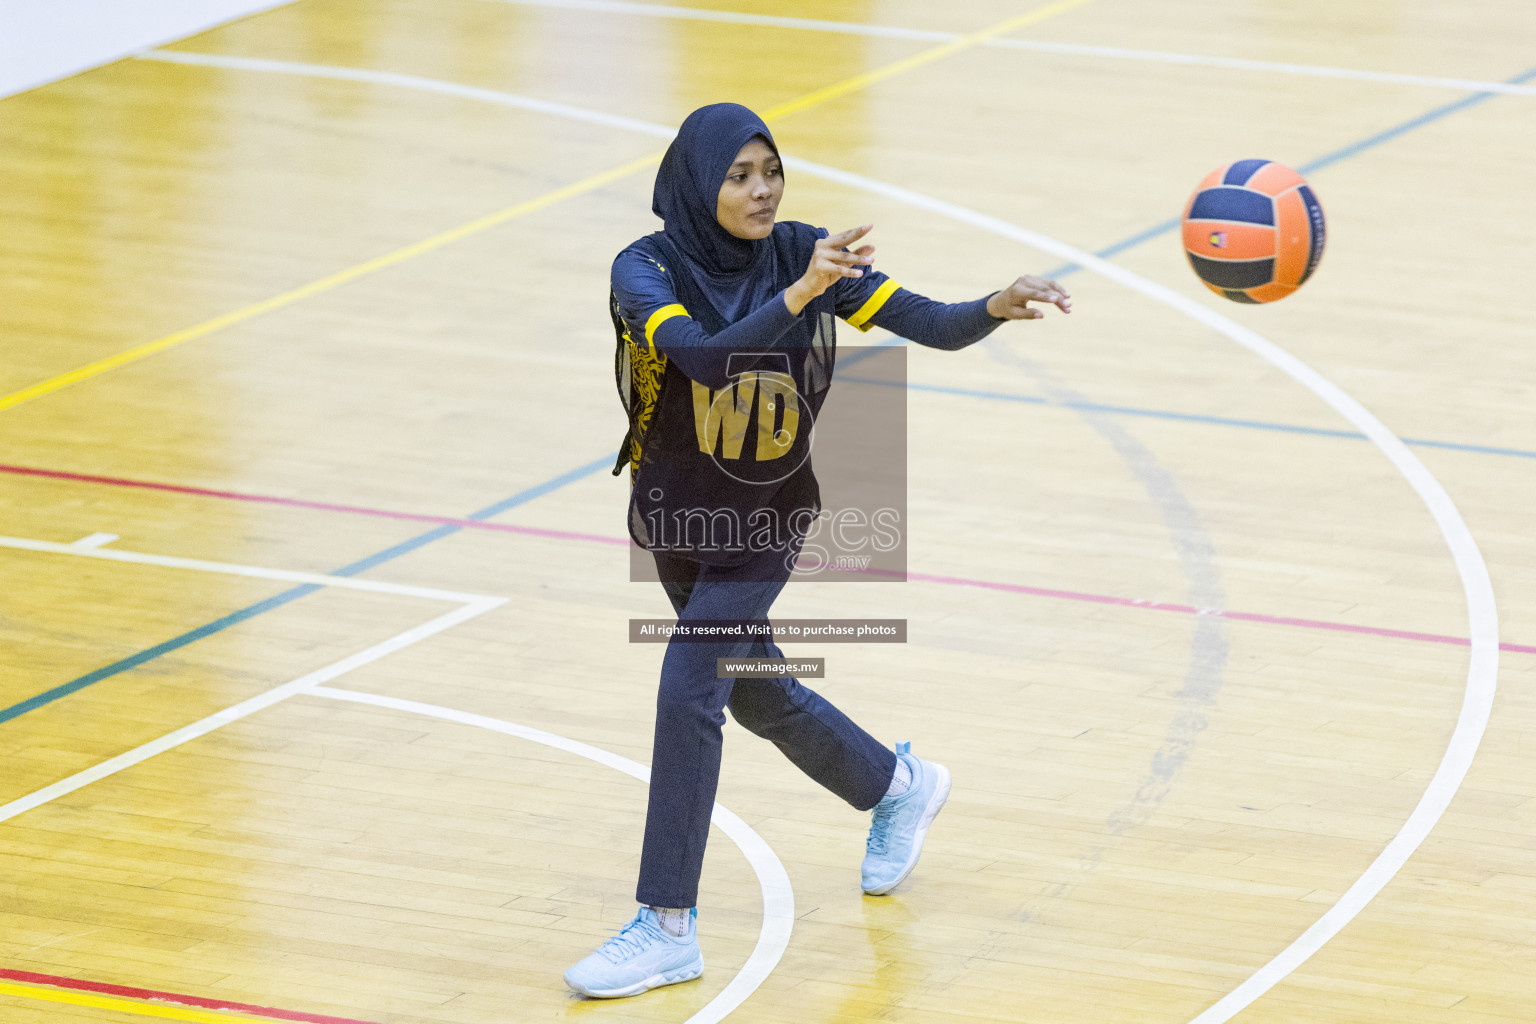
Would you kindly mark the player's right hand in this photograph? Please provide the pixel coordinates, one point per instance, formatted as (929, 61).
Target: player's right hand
(830, 261)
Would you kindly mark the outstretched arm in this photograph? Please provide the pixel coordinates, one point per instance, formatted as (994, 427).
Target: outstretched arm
(873, 299)
(957, 324)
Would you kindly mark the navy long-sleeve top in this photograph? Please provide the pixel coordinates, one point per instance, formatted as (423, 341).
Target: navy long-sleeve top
(649, 302)
(721, 434)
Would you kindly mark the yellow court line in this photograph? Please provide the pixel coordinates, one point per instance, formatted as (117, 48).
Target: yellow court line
(98, 1002)
(207, 327)
(857, 82)
(341, 277)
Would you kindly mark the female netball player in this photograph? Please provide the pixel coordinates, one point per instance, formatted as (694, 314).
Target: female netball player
(723, 305)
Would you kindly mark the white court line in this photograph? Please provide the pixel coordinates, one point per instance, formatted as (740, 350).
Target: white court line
(1073, 49)
(83, 550)
(1482, 672)
(778, 897)
(1275, 67)
(247, 707)
(472, 605)
(405, 81)
(737, 18)
(95, 540)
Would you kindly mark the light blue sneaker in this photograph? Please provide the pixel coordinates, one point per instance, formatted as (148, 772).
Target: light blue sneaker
(642, 956)
(900, 824)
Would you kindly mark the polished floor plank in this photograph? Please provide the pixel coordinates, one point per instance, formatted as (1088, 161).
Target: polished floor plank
(1148, 805)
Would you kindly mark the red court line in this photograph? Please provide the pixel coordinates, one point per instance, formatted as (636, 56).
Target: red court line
(1184, 609)
(954, 581)
(322, 506)
(201, 1003)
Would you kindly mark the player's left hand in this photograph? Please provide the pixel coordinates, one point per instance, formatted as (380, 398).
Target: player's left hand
(1012, 303)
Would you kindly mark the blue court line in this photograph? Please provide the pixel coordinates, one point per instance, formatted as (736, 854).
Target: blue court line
(443, 531)
(1187, 417)
(1327, 160)
(287, 596)
(863, 352)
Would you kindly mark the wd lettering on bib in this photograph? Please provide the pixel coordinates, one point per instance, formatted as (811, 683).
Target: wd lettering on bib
(721, 418)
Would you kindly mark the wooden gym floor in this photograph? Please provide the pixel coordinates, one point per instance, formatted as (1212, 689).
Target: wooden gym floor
(1238, 725)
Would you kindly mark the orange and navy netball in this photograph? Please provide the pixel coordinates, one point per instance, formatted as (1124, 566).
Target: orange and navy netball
(1253, 231)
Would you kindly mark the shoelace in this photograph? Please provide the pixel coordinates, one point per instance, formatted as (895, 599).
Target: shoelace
(880, 828)
(633, 939)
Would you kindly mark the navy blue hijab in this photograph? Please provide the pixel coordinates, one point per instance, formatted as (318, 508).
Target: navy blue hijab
(729, 270)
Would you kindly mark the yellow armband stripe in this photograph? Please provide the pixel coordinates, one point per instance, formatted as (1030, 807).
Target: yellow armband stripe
(658, 318)
(870, 308)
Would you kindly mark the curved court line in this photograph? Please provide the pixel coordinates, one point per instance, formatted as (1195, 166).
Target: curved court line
(416, 82)
(739, 18)
(442, 238)
(1312, 166)
(340, 277)
(1205, 670)
(1158, 414)
(1273, 67)
(917, 60)
(248, 707)
(436, 85)
(1071, 49)
(778, 896)
(1482, 672)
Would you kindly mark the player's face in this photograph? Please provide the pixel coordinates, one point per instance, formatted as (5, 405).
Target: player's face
(749, 197)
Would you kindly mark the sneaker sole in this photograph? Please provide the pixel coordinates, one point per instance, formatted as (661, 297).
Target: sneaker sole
(935, 803)
(685, 973)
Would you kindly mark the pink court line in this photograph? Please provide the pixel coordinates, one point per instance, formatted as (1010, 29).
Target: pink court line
(322, 506)
(150, 995)
(953, 581)
(1184, 609)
